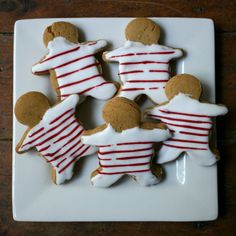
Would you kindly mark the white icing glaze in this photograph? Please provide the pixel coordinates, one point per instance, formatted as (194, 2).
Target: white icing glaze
(143, 69)
(190, 123)
(76, 68)
(58, 138)
(128, 152)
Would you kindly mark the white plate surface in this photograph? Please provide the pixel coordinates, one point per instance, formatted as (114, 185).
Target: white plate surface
(188, 193)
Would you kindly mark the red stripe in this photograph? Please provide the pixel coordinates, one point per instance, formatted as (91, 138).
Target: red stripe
(36, 132)
(144, 62)
(133, 143)
(68, 134)
(65, 152)
(104, 159)
(186, 141)
(135, 164)
(74, 71)
(61, 162)
(133, 157)
(185, 114)
(72, 139)
(124, 151)
(131, 72)
(80, 81)
(44, 149)
(77, 150)
(62, 53)
(122, 172)
(55, 135)
(132, 89)
(181, 120)
(195, 134)
(74, 159)
(186, 126)
(160, 71)
(92, 43)
(147, 81)
(59, 117)
(142, 53)
(182, 147)
(72, 61)
(88, 89)
(152, 88)
(105, 145)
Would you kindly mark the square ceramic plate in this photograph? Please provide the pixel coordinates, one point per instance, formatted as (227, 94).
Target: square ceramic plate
(189, 191)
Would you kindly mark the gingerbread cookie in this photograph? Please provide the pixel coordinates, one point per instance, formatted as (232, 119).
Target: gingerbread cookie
(189, 120)
(143, 63)
(125, 144)
(54, 131)
(72, 65)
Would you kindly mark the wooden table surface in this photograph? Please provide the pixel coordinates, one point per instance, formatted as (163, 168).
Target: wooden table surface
(224, 15)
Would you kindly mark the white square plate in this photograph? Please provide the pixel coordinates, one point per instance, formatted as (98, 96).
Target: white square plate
(188, 193)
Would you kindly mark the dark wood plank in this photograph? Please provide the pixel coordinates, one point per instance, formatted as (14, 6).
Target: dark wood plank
(224, 13)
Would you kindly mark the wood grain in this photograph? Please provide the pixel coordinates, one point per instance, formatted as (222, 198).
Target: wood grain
(224, 15)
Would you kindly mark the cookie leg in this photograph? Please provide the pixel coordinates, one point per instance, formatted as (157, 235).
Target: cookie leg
(146, 178)
(104, 181)
(131, 95)
(167, 154)
(203, 157)
(158, 96)
(60, 178)
(103, 92)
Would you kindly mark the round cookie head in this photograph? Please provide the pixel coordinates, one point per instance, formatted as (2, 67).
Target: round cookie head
(30, 108)
(122, 114)
(63, 29)
(143, 30)
(183, 83)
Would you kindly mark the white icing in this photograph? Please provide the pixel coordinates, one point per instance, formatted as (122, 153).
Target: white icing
(76, 68)
(128, 152)
(50, 137)
(153, 67)
(190, 121)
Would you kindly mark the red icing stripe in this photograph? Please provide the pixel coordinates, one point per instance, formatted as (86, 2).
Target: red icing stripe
(72, 61)
(80, 81)
(182, 147)
(73, 160)
(44, 149)
(55, 135)
(92, 43)
(59, 117)
(134, 143)
(132, 89)
(61, 162)
(122, 172)
(187, 141)
(152, 88)
(104, 159)
(124, 151)
(124, 165)
(68, 134)
(187, 126)
(147, 81)
(185, 114)
(60, 54)
(36, 132)
(80, 69)
(181, 120)
(195, 134)
(131, 72)
(142, 53)
(133, 157)
(144, 62)
(77, 150)
(160, 71)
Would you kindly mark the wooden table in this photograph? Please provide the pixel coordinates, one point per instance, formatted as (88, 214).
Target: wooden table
(224, 15)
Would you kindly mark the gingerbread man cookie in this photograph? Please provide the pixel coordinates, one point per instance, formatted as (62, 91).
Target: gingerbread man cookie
(125, 144)
(54, 131)
(143, 63)
(72, 65)
(189, 120)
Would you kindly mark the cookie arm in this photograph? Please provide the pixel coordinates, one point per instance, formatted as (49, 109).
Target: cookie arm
(156, 132)
(24, 139)
(113, 55)
(214, 109)
(98, 45)
(42, 67)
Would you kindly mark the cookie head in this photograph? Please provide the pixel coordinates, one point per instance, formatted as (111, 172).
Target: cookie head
(143, 30)
(183, 83)
(63, 29)
(122, 113)
(30, 108)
